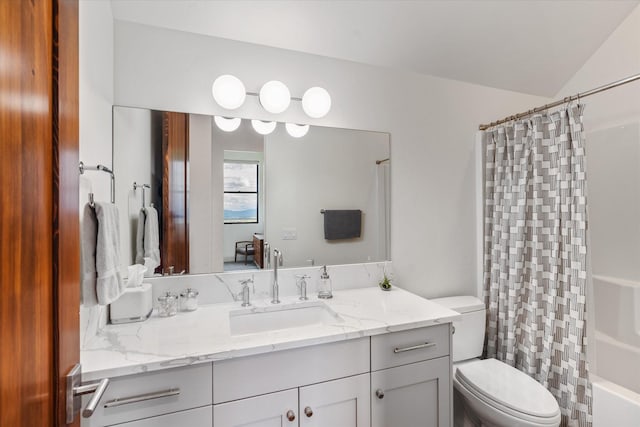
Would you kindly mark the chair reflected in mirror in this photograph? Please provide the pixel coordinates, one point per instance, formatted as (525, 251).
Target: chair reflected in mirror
(245, 248)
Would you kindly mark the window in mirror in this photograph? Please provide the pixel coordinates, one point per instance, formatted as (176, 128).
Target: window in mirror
(241, 192)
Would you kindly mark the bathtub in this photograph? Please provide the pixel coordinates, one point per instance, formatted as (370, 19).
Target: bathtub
(616, 368)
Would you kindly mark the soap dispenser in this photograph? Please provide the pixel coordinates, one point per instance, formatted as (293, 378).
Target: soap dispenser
(324, 285)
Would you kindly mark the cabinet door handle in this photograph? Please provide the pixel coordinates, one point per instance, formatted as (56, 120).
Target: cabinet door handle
(142, 397)
(291, 416)
(308, 412)
(379, 393)
(414, 347)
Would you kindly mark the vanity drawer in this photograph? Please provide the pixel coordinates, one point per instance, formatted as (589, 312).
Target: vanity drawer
(401, 348)
(199, 417)
(155, 393)
(280, 370)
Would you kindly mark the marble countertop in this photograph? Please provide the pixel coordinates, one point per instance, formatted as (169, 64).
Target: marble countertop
(204, 335)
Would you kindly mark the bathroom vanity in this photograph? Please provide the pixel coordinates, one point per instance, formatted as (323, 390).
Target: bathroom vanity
(364, 358)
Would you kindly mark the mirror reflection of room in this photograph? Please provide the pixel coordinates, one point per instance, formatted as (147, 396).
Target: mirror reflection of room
(223, 196)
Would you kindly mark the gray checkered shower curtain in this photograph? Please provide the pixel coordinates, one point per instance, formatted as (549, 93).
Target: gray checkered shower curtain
(535, 254)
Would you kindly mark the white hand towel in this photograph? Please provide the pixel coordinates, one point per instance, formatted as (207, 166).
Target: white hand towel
(151, 238)
(88, 237)
(140, 237)
(109, 283)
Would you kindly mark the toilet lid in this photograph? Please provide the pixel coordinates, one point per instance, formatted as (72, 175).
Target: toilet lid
(498, 382)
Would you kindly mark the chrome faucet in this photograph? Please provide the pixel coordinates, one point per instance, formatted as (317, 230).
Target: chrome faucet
(277, 261)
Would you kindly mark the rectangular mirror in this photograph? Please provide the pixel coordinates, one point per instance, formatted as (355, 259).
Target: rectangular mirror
(223, 198)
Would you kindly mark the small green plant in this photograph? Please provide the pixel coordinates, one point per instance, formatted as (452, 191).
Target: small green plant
(385, 283)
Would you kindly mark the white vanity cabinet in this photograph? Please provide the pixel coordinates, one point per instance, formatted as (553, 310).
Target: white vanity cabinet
(176, 391)
(324, 385)
(269, 410)
(199, 417)
(339, 403)
(400, 379)
(411, 378)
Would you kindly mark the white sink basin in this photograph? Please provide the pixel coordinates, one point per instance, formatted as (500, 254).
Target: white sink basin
(253, 320)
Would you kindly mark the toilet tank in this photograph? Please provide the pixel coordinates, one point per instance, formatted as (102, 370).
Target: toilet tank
(468, 336)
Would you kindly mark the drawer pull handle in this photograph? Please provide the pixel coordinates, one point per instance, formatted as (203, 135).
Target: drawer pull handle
(379, 393)
(142, 397)
(291, 416)
(308, 412)
(414, 347)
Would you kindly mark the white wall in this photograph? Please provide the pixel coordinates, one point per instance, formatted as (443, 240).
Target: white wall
(612, 123)
(618, 57)
(132, 162)
(204, 255)
(238, 145)
(432, 122)
(326, 169)
(96, 94)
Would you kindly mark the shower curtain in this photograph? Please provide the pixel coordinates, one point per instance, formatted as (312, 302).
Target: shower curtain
(535, 254)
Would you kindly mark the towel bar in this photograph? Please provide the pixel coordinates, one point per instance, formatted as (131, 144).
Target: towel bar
(82, 168)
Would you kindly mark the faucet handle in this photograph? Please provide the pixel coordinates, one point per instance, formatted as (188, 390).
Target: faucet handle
(245, 282)
(301, 282)
(301, 278)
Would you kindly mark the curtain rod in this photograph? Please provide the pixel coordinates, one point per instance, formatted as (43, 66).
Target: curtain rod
(577, 96)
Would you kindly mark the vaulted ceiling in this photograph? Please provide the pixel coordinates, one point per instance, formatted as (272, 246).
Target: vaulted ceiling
(526, 46)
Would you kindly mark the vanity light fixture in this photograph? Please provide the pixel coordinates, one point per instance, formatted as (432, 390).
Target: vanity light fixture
(227, 124)
(295, 130)
(275, 97)
(229, 92)
(316, 102)
(262, 127)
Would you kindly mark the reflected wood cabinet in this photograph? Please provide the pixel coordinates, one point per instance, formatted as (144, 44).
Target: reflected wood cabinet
(386, 380)
(258, 247)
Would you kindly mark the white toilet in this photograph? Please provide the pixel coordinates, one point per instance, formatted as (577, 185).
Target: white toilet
(489, 392)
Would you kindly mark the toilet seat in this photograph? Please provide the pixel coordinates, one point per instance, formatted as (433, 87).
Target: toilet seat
(508, 391)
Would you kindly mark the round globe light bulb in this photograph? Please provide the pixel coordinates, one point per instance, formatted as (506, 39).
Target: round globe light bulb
(275, 97)
(263, 128)
(316, 102)
(228, 91)
(227, 124)
(296, 131)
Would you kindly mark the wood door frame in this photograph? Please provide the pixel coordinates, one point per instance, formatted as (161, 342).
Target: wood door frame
(66, 223)
(39, 310)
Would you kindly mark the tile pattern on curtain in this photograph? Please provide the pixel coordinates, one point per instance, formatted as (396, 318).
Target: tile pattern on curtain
(535, 254)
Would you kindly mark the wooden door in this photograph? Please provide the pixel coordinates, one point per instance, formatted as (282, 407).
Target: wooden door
(269, 410)
(416, 395)
(340, 403)
(175, 192)
(39, 244)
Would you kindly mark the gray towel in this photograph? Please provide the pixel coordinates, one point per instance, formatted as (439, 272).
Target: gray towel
(109, 283)
(342, 224)
(148, 238)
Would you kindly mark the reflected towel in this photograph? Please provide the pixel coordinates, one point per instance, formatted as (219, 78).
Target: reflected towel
(101, 254)
(342, 224)
(151, 238)
(142, 215)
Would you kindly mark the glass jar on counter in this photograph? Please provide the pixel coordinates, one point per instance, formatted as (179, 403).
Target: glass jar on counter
(189, 300)
(167, 304)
